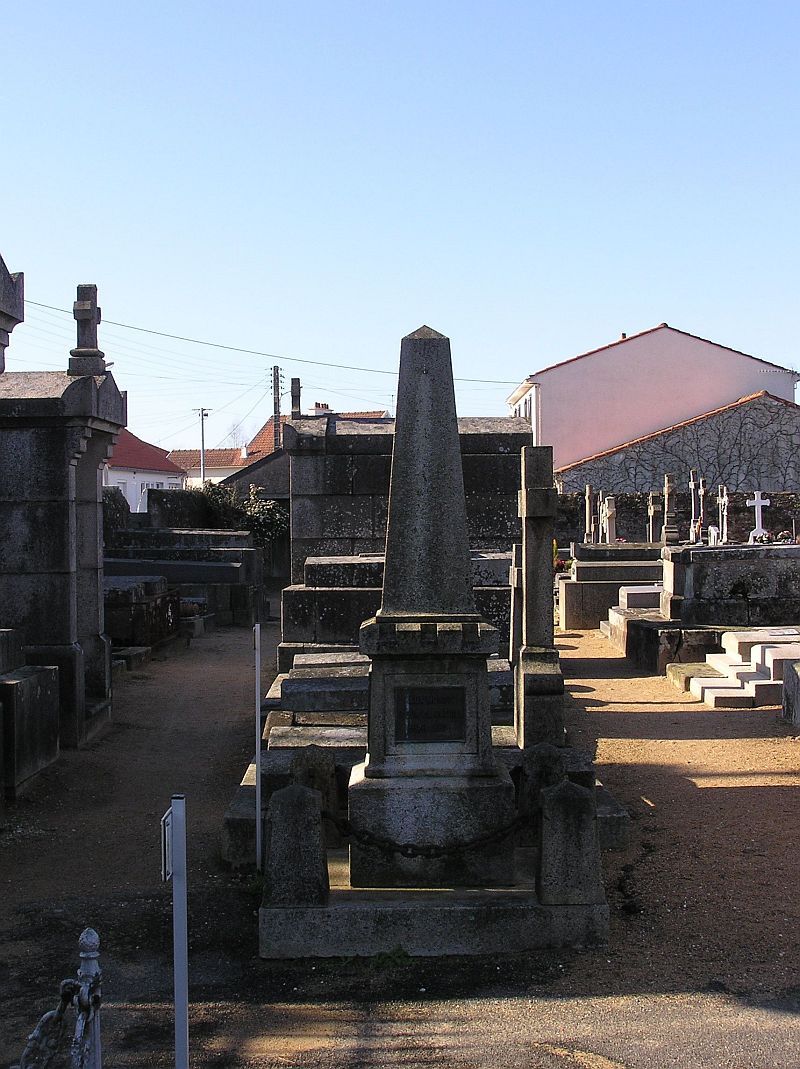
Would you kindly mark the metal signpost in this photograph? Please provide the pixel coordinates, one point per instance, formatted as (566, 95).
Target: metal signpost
(257, 644)
(173, 867)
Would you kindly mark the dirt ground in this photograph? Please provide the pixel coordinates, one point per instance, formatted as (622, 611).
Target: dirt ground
(701, 968)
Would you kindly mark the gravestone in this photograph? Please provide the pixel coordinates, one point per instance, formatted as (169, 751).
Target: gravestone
(430, 776)
(538, 682)
(722, 505)
(693, 485)
(653, 512)
(669, 532)
(589, 530)
(759, 503)
(702, 493)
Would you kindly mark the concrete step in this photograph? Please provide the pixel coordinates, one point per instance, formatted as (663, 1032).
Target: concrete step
(775, 658)
(726, 698)
(725, 663)
(680, 675)
(740, 643)
(763, 690)
(326, 689)
(702, 687)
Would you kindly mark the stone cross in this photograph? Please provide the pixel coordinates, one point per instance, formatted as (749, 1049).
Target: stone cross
(87, 313)
(701, 509)
(589, 529)
(693, 492)
(759, 502)
(608, 520)
(669, 532)
(86, 358)
(722, 506)
(653, 511)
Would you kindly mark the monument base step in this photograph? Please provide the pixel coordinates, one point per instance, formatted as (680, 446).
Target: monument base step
(680, 675)
(133, 656)
(425, 923)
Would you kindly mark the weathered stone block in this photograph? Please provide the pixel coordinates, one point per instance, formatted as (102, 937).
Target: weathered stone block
(569, 869)
(10, 650)
(295, 868)
(371, 475)
(30, 714)
(330, 516)
(440, 810)
(500, 471)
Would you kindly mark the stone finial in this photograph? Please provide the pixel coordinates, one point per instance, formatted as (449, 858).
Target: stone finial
(428, 569)
(86, 358)
(12, 306)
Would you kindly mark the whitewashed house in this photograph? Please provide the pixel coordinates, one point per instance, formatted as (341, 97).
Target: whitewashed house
(636, 386)
(136, 467)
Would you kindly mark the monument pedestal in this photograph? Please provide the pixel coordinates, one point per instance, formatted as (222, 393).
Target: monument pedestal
(439, 811)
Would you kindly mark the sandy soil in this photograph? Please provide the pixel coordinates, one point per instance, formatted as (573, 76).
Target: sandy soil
(704, 937)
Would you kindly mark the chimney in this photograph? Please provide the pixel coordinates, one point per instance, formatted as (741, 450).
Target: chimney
(320, 406)
(295, 398)
(243, 452)
(623, 336)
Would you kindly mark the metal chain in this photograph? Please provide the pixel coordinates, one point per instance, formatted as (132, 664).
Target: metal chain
(429, 851)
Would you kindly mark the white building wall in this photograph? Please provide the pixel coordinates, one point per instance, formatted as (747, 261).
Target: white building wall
(134, 483)
(644, 384)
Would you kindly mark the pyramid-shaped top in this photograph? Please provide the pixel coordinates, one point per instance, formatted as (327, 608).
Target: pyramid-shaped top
(428, 569)
(424, 332)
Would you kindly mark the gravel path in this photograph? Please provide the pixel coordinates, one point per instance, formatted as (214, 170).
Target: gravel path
(702, 968)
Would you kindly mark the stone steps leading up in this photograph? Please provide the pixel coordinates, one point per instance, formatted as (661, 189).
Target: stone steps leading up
(749, 674)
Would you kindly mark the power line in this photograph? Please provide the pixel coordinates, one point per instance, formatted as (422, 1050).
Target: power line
(258, 352)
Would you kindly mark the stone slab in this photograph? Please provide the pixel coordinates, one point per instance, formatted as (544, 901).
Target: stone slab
(303, 691)
(426, 923)
(583, 606)
(640, 597)
(625, 572)
(133, 656)
(11, 656)
(287, 651)
(740, 643)
(29, 713)
(329, 719)
(329, 660)
(791, 693)
(681, 675)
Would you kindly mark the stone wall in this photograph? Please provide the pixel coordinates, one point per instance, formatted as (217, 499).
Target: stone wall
(339, 484)
(753, 444)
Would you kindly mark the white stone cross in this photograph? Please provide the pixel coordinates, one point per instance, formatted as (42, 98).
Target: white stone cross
(759, 502)
(722, 506)
(693, 491)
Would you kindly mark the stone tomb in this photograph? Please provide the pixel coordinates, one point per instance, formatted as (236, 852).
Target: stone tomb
(57, 429)
(432, 817)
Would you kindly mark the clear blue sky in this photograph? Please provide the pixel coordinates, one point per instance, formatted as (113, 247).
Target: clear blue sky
(314, 180)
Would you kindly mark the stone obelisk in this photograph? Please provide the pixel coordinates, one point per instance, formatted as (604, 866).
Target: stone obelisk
(430, 778)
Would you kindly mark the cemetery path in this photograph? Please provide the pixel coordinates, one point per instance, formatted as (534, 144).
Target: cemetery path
(704, 930)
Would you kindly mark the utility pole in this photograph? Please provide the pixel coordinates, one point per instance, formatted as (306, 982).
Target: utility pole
(277, 378)
(203, 414)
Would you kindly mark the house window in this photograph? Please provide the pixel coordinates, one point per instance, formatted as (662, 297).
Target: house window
(152, 486)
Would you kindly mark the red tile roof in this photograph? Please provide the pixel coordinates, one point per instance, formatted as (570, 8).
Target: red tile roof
(676, 426)
(215, 458)
(259, 446)
(133, 454)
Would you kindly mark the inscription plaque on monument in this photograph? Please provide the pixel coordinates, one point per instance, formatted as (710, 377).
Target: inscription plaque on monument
(430, 714)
